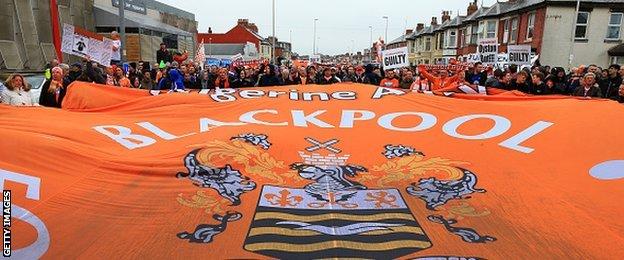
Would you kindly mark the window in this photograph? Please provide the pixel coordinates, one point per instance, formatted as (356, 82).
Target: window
(467, 34)
(491, 29)
(530, 26)
(506, 31)
(514, 30)
(617, 60)
(461, 38)
(615, 23)
(480, 29)
(474, 34)
(452, 39)
(440, 41)
(582, 21)
(428, 44)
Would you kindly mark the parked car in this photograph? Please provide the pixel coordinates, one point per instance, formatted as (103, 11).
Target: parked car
(36, 81)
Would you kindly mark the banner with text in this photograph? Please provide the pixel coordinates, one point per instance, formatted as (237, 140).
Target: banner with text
(519, 54)
(395, 58)
(83, 43)
(488, 50)
(311, 172)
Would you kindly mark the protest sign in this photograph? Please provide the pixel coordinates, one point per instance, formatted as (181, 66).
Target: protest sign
(519, 54)
(395, 58)
(83, 43)
(488, 50)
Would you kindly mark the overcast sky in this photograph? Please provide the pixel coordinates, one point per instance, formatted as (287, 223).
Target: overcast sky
(343, 25)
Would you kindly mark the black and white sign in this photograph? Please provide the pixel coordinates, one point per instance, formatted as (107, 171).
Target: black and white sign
(137, 6)
(519, 54)
(488, 50)
(395, 58)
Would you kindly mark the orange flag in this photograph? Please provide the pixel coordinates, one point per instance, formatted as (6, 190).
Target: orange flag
(340, 171)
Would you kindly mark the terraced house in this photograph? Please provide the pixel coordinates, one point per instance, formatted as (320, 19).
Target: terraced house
(558, 33)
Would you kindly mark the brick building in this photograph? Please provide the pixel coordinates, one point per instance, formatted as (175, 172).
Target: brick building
(243, 33)
(548, 26)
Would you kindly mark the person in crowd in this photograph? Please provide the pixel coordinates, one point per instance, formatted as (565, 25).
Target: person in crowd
(175, 78)
(390, 81)
(268, 77)
(122, 80)
(407, 80)
(17, 92)
(497, 80)
(477, 75)
(360, 76)
(284, 77)
(421, 84)
(53, 91)
(293, 77)
(621, 94)
(335, 74)
(111, 80)
(303, 78)
(350, 76)
(443, 81)
(163, 55)
(312, 75)
(328, 77)
(48, 71)
(538, 84)
(588, 87)
(243, 80)
(610, 84)
(205, 80)
(522, 82)
(116, 54)
(223, 80)
(146, 81)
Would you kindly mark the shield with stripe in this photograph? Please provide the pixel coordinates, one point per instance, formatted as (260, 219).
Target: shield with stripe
(292, 224)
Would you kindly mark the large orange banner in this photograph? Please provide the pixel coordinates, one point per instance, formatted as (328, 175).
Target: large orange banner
(298, 172)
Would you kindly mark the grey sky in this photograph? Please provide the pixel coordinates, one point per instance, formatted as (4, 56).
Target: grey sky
(343, 25)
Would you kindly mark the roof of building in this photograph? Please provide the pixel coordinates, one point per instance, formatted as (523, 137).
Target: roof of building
(398, 40)
(155, 5)
(429, 30)
(109, 17)
(617, 50)
(225, 37)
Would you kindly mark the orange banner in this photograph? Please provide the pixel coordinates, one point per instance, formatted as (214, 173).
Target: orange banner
(299, 172)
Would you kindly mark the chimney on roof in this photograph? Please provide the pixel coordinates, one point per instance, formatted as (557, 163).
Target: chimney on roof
(420, 26)
(446, 15)
(209, 29)
(434, 20)
(243, 22)
(409, 31)
(472, 7)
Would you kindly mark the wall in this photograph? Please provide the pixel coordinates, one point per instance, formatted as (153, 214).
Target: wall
(558, 35)
(25, 31)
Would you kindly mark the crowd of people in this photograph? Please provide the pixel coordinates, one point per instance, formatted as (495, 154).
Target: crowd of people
(177, 73)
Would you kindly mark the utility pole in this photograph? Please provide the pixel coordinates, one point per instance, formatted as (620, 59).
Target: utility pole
(386, 39)
(273, 51)
(122, 28)
(370, 46)
(314, 44)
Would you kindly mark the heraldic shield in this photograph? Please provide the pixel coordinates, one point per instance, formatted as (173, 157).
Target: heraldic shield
(294, 224)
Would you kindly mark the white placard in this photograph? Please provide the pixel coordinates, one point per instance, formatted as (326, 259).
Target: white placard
(395, 58)
(519, 54)
(74, 43)
(488, 50)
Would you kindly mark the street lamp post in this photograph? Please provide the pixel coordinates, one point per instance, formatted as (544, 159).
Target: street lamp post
(314, 44)
(386, 39)
(370, 46)
(273, 51)
(122, 28)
